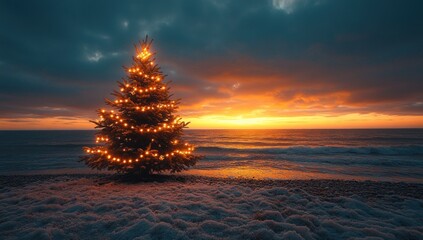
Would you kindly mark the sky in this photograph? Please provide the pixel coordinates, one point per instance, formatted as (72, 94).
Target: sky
(234, 63)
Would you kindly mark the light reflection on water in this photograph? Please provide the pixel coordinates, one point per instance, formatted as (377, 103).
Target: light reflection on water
(371, 154)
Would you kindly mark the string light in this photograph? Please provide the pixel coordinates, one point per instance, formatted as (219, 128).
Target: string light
(150, 155)
(101, 139)
(140, 90)
(137, 71)
(144, 108)
(144, 54)
(123, 126)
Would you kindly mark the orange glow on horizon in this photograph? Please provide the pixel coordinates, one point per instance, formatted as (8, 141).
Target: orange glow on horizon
(307, 122)
(354, 120)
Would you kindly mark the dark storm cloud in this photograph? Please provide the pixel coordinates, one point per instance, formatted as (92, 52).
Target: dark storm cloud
(62, 58)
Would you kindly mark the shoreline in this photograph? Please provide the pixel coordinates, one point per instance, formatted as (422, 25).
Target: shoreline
(230, 172)
(318, 187)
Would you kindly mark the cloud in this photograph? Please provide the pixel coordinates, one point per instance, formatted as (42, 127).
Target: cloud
(280, 57)
(289, 6)
(95, 56)
(125, 24)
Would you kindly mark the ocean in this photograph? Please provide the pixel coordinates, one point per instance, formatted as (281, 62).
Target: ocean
(355, 154)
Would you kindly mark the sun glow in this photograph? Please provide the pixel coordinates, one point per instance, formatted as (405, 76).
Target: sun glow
(319, 121)
(354, 120)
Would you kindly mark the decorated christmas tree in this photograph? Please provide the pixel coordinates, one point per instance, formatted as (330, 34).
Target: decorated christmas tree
(141, 134)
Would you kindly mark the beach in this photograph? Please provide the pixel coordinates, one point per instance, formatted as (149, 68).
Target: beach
(104, 206)
(251, 184)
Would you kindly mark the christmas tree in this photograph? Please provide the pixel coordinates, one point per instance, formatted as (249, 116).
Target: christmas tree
(142, 135)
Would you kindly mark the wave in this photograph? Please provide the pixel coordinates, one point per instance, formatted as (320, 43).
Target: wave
(410, 150)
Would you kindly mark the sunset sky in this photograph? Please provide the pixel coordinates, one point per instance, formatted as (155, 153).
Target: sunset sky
(234, 64)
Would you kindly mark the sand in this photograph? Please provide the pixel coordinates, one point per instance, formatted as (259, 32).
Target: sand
(95, 206)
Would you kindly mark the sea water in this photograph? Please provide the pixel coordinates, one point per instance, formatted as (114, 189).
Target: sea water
(361, 154)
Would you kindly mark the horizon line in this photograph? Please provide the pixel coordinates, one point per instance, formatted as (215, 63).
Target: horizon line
(399, 128)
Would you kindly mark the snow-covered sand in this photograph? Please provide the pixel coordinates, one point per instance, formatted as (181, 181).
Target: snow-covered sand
(103, 207)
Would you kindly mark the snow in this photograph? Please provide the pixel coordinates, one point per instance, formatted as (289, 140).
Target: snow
(101, 207)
